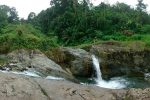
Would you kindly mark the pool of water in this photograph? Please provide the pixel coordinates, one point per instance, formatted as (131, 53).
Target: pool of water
(137, 82)
(116, 82)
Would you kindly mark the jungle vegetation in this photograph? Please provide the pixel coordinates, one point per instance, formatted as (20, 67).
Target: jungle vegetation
(73, 23)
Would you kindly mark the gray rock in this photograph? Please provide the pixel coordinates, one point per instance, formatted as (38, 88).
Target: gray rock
(82, 64)
(33, 59)
(14, 87)
(18, 87)
(78, 61)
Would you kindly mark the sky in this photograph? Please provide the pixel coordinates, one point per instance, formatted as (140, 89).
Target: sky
(24, 7)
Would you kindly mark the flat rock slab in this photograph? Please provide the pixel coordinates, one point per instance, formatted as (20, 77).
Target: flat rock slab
(63, 90)
(19, 87)
(15, 87)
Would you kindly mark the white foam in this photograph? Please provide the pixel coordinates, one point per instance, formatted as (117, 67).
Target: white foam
(147, 75)
(54, 78)
(27, 73)
(114, 83)
(32, 74)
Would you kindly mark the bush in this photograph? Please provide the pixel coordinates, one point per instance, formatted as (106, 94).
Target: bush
(29, 38)
(145, 29)
(117, 36)
(137, 37)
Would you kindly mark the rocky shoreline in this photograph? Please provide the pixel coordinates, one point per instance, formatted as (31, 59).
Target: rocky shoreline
(20, 87)
(69, 63)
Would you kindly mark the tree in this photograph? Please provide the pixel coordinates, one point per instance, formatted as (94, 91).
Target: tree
(11, 13)
(3, 19)
(74, 21)
(141, 6)
(31, 17)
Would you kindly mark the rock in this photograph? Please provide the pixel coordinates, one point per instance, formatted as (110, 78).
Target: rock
(33, 59)
(71, 91)
(77, 60)
(14, 87)
(18, 87)
(117, 60)
(139, 94)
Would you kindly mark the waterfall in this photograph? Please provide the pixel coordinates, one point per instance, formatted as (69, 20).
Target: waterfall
(115, 83)
(97, 68)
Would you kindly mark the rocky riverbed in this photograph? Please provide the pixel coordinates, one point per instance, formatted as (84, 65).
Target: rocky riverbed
(20, 87)
(33, 75)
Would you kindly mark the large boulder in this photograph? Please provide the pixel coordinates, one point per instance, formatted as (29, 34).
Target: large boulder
(117, 60)
(76, 61)
(34, 59)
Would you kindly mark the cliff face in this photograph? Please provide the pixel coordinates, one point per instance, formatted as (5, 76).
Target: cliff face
(117, 60)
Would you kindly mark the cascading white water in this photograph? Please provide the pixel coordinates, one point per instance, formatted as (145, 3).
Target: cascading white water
(97, 68)
(115, 83)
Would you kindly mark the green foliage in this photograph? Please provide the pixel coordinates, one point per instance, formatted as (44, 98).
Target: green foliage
(29, 38)
(117, 37)
(145, 29)
(73, 23)
(76, 22)
(10, 13)
(141, 6)
(3, 19)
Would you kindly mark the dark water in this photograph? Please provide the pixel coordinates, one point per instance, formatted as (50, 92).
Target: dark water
(137, 82)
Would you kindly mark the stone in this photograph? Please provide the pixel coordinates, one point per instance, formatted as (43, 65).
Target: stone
(78, 61)
(19, 87)
(20, 60)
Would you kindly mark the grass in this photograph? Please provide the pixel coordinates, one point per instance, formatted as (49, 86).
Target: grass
(136, 41)
(29, 37)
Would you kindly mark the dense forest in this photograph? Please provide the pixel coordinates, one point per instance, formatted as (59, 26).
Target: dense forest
(73, 23)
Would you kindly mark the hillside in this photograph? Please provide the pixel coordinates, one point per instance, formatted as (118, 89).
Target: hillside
(15, 36)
